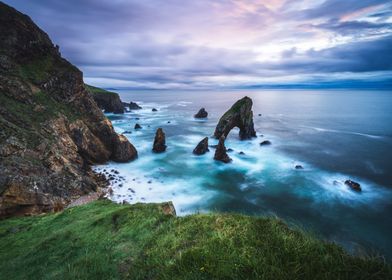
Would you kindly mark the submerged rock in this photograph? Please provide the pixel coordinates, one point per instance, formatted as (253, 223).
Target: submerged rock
(353, 185)
(239, 115)
(202, 147)
(220, 152)
(201, 114)
(159, 141)
(265, 143)
(138, 126)
(298, 166)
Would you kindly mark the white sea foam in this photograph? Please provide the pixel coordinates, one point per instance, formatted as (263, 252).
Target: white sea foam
(345, 132)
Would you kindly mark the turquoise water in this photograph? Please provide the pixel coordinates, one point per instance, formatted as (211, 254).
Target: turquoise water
(334, 135)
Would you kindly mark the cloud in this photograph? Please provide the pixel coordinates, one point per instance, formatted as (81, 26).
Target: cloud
(364, 56)
(187, 44)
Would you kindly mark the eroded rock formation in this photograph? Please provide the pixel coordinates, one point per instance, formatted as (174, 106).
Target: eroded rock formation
(132, 105)
(51, 128)
(220, 152)
(202, 147)
(201, 114)
(239, 115)
(107, 100)
(159, 141)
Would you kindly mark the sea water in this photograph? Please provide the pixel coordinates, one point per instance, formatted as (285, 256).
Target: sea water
(335, 135)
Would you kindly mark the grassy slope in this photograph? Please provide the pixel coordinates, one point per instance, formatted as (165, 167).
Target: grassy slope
(95, 90)
(103, 240)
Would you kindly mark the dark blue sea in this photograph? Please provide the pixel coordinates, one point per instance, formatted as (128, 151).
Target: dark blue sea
(334, 134)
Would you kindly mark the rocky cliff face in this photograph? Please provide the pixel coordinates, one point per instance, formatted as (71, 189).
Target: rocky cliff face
(107, 100)
(51, 128)
(239, 115)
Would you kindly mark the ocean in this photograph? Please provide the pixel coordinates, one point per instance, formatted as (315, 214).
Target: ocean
(334, 134)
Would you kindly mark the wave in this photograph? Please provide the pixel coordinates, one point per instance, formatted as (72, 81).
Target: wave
(345, 132)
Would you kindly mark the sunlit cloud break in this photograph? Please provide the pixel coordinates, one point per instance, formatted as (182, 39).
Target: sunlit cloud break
(172, 44)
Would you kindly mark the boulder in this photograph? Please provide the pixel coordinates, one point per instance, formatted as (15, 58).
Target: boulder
(159, 141)
(202, 147)
(154, 110)
(239, 115)
(220, 152)
(265, 143)
(353, 185)
(201, 114)
(138, 126)
(168, 208)
(298, 166)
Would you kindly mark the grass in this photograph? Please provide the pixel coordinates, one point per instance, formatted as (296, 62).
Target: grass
(37, 70)
(26, 113)
(103, 240)
(95, 90)
(26, 121)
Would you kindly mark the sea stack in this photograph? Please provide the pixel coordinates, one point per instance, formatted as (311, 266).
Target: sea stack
(159, 141)
(239, 115)
(202, 147)
(220, 152)
(201, 114)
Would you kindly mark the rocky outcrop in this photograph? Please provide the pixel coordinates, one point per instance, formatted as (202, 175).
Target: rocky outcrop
(123, 151)
(220, 152)
(353, 185)
(132, 106)
(159, 141)
(239, 115)
(168, 208)
(202, 147)
(108, 101)
(138, 126)
(51, 128)
(201, 114)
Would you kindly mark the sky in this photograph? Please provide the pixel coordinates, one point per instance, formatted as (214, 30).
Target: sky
(197, 44)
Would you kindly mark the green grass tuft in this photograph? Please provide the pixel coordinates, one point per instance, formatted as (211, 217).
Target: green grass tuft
(103, 240)
(95, 90)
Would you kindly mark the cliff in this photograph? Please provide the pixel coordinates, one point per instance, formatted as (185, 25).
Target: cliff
(51, 128)
(107, 100)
